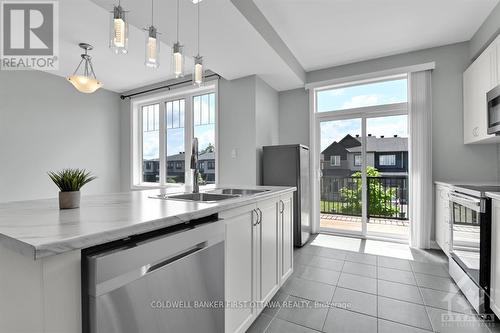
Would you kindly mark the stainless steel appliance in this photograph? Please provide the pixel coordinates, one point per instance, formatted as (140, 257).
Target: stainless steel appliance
(288, 165)
(168, 281)
(471, 243)
(493, 102)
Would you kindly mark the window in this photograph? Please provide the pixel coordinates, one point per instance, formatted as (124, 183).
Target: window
(387, 160)
(356, 96)
(174, 136)
(357, 160)
(150, 142)
(163, 129)
(204, 129)
(335, 160)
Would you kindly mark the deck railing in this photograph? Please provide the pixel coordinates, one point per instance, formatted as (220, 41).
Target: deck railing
(387, 196)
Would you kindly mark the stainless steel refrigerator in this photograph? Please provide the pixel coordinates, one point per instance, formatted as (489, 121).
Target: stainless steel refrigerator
(288, 165)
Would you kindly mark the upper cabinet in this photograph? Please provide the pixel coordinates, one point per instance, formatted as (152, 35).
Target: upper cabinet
(481, 76)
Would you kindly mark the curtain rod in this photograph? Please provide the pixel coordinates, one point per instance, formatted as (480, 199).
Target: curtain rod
(167, 86)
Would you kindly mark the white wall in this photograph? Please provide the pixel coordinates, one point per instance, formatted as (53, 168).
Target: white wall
(237, 132)
(294, 117)
(266, 122)
(486, 33)
(452, 160)
(45, 124)
(248, 120)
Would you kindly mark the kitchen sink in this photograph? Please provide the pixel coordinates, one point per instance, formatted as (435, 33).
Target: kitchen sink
(205, 197)
(238, 191)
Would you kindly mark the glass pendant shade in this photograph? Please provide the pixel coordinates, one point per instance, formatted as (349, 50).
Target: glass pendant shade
(178, 60)
(198, 71)
(152, 48)
(118, 41)
(84, 79)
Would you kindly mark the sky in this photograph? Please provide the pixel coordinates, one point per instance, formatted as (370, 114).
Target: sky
(378, 93)
(175, 136)
(358, 96)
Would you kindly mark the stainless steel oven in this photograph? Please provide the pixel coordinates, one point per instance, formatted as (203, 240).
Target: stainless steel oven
(471, 243)
(493, 102)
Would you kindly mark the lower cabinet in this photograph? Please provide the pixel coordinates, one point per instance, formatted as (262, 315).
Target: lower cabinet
(258, 258)
(286, 234)
(442, 218)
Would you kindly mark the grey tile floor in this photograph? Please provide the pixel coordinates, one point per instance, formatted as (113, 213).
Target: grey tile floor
(339, 290)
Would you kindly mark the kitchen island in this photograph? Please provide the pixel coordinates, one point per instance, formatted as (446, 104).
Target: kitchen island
(41, 246)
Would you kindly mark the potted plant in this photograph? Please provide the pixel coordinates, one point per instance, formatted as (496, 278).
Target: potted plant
(70, 181)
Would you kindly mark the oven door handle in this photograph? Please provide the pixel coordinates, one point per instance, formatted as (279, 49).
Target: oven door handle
(469, 202)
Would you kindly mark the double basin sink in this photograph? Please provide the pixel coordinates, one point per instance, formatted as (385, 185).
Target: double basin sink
(213, 195)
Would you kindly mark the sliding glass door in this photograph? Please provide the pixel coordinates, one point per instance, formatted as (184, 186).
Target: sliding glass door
(361, 156)
(341, 182)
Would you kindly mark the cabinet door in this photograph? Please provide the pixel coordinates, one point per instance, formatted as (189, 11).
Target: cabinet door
(442, 219)
(495, 258)
(268, 249)
(286, 238)
(479, 78)
(239, 267)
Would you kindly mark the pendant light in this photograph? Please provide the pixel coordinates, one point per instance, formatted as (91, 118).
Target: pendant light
(118, 40)
(152, 44)
(198, 60)
(86, 81)
(178, 56)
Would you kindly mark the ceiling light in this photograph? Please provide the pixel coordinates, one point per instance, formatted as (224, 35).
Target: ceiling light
(196, 1)
(198, 60)
(118, 41)
(178, 56)
(86, 81)
(152, 44)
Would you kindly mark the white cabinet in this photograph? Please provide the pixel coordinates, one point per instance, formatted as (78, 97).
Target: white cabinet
(495, 258)
(239, 267)
(442, 218)
(478, 79)
(258, 257)
(286, 234)
(266, 246)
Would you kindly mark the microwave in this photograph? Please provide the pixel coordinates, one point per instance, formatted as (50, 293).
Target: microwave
(493, 102)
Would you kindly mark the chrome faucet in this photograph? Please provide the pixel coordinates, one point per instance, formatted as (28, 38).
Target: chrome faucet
(194, 165)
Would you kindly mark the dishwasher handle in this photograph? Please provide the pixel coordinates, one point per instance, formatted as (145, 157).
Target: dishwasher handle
(115, 268)
(177, 257)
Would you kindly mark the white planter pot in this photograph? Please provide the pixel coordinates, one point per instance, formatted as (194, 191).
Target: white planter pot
(69, 200)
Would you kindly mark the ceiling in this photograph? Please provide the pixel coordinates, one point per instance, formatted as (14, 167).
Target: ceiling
(325, 33)
(288, 35)
(230, 45)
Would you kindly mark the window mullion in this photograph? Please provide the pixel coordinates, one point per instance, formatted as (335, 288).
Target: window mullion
(162, 145)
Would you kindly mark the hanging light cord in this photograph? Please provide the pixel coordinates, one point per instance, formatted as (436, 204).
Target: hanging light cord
(152, 4)
(88, 68)
(177, 20)
(198, 6)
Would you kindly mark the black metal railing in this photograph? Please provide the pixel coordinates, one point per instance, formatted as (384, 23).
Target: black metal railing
(387, 197)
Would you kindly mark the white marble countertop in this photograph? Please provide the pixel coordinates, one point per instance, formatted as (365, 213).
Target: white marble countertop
(460, 182)
(493, 195)
(39, 229)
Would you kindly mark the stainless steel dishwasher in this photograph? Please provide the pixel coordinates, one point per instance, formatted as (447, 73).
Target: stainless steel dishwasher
(172, 282)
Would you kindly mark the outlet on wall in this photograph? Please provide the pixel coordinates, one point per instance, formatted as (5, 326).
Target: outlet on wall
(234, 153)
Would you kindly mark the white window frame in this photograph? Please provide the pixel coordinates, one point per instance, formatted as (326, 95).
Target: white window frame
(360, 160)
(362, 113)
(387, 155)
(136, 105)
(335, 160)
